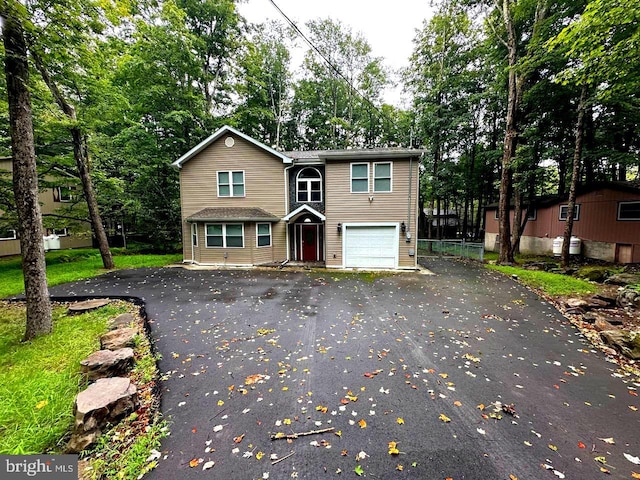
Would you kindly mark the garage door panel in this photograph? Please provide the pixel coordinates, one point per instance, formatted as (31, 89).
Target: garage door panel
(371, 246)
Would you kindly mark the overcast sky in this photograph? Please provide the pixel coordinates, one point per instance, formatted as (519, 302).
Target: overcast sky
(388, 26)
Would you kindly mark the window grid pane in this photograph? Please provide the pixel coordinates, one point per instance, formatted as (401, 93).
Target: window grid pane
(382, 185)
(630, 211)
(359, 171)
(359, 185)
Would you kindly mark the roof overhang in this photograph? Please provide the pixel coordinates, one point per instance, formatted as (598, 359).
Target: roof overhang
(232, 215)
(370, 154)
(219, 133)
(301, 210)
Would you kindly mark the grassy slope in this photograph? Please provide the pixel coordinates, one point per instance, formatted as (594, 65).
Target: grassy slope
(40, 379)
(65, 266)
(553, 284)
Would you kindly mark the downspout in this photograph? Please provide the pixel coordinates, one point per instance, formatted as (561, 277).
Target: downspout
(408, 234)
(286, 209)
(193, 247)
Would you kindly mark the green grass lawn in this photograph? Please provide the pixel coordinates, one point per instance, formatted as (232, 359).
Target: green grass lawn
(40, 379)
(65, 266)
(553, 284)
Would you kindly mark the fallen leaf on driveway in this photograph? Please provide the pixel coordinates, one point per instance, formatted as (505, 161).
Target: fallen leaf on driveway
(194, 462)
(444, 418)
(359, 470)
(609, 440)
(632, 459)
(362, 423)
(238, 439)
(208, 465)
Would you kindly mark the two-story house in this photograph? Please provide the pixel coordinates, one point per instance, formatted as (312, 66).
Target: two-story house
(52, 200)
(244, 203)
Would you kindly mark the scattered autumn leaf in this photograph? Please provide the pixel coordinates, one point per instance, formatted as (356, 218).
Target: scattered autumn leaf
(238, 439)
(602, 460)
(609, 440)
(400, 421)
(581, 445)
(362, 423)
(444, 418)
(632, 459)
(552, 447)
(194, 462)
(399, 467)
(208, 465)
(635, 475)
(344, 452)
(393, 448)
(457, 403)
(512, 477)
(42, 404)
(359, 470)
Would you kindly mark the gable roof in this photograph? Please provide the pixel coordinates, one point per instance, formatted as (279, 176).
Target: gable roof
(301, 210)
(238, 214)
(219, 133)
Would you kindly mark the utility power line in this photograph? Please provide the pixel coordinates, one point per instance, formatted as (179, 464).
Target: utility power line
(333, 67)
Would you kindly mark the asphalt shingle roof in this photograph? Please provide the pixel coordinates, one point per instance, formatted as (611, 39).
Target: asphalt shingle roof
(244, 214)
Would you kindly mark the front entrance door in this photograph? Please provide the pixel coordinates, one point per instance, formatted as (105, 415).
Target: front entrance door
(309, 243)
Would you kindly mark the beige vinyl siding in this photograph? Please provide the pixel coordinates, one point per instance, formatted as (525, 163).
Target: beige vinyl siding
(264, 188)
(9, 247)
(345, 207)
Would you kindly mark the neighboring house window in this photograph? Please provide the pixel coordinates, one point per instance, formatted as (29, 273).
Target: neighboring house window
(194, 234)
(563, 212)
(532, 215)
(8, 235)
(359, 178)
(264, 234)
(495, 214)
(231, 184)
(309, 185)
(225, 235)
(64, 194)
(629, 211)
(382, 177)
(61, 232)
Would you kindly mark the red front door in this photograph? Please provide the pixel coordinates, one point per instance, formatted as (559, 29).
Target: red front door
(309, 243)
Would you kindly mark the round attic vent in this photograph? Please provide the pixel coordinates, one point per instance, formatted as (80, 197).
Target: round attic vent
(229, 142)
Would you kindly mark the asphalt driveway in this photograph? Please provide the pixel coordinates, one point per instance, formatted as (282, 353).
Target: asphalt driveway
(417, 360)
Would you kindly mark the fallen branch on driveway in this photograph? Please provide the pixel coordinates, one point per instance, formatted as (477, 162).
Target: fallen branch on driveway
(279, 435)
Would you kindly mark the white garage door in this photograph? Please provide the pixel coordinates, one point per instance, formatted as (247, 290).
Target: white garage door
(370, 246)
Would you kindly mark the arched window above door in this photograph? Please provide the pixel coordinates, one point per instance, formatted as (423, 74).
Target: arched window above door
(309, 185)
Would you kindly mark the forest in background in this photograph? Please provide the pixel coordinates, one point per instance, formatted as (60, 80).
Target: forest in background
(148, 80)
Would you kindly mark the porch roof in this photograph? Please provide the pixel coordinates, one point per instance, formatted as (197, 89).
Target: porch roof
(302, 210)
(238, 214)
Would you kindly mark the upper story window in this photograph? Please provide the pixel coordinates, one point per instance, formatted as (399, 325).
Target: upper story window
(225, 235)
(64, 194)
(359, 178)
(309, 185)
(532, 214)
(231, 184)
(629, 210)
(382, 177)
(565, 208)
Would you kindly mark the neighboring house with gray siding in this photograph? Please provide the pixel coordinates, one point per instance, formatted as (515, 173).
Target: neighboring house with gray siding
(244, 203)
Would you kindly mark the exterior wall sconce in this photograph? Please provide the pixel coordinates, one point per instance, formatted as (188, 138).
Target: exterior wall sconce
(339, 229)
(403, 227)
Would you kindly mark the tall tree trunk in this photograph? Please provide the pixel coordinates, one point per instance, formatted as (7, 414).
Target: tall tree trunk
(577, 156)
(81, 156)
(25, 176)
(510, 141)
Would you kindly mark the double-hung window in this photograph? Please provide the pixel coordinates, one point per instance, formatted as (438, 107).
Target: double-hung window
(629, 211)
(264, 234)
(564, 211)
(231, 184)
(382, 177)
(194, 234)
(225, 235)
(359, 178)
